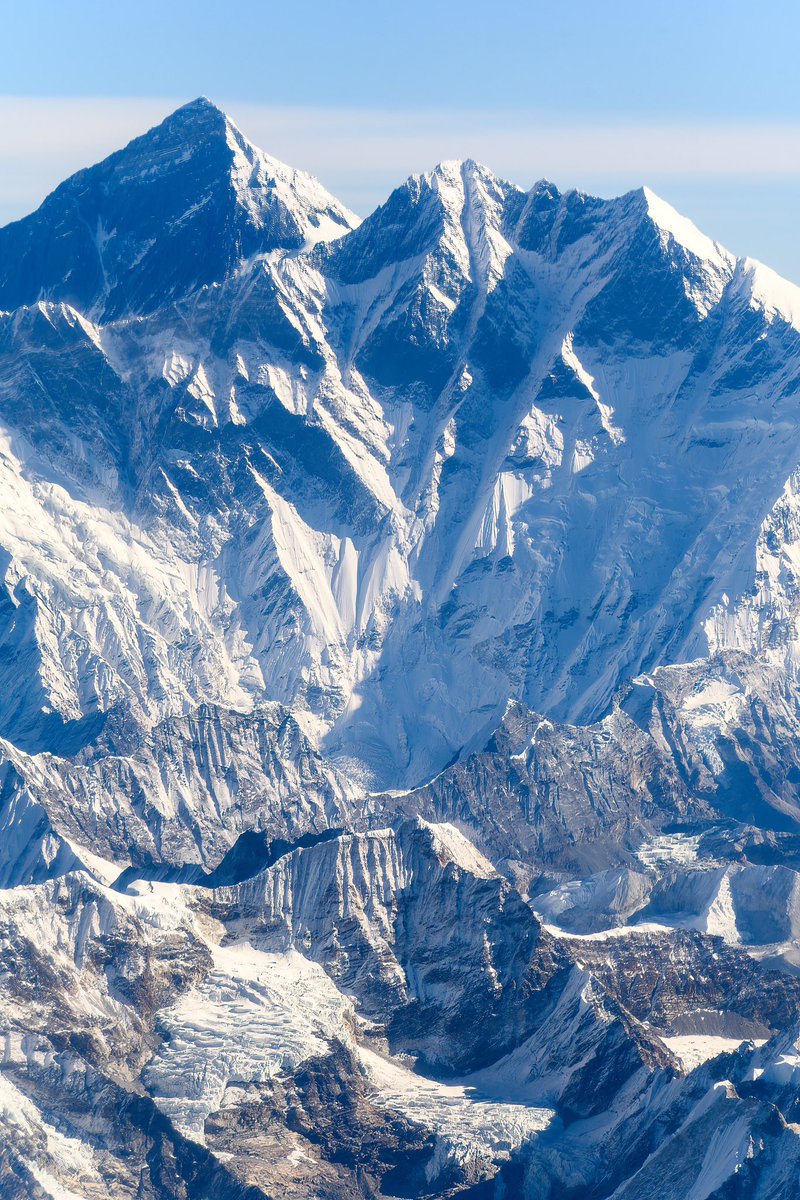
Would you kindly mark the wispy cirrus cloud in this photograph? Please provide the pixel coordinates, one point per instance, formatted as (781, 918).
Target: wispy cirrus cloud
(361, 153)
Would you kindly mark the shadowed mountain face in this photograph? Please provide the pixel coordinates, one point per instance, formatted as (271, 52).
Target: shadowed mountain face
(177, 209)
(399, 693)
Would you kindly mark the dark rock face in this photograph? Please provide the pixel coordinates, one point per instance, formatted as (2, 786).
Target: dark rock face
(561, 797)
(358, 1148)
(452, 964)
(689, 982)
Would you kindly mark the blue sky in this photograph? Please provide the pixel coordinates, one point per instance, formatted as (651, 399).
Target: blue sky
(699, 100)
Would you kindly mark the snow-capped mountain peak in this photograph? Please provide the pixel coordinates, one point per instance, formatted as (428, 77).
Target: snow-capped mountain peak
(177, 208)
(684, 231)
(769, 292)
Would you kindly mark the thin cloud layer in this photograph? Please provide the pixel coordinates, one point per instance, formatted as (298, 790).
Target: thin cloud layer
(361, 154)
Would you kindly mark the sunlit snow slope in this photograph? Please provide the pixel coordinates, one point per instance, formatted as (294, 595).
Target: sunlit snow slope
(486, 444)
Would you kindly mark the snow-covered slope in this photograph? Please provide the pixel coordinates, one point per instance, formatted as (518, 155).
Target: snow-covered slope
(399, 701)
(177, 209)
(265, 1038)
(488, 444)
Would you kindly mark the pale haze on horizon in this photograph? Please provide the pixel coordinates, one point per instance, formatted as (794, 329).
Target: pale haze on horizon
(606, 101)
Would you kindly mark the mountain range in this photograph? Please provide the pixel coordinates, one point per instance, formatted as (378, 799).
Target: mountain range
(400, 697)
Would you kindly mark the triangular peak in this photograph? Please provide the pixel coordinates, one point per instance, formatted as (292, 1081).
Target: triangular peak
(179, 207)
(684, 231)
(765, 289)
(462, 174)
